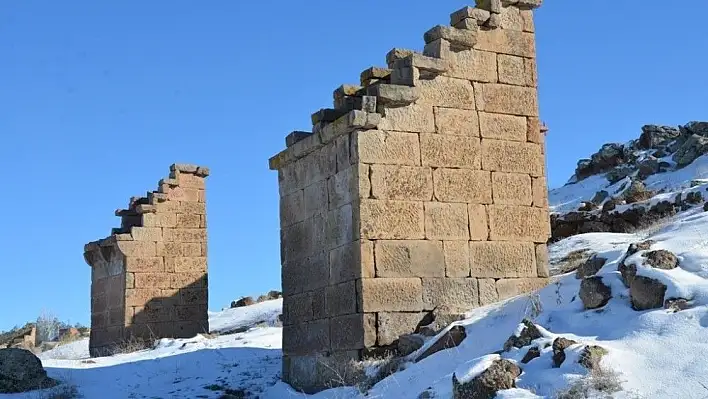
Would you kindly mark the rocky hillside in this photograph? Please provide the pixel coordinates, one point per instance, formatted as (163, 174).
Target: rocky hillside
(626, 187)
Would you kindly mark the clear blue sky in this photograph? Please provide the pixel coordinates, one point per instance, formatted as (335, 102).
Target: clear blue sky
(97, 99)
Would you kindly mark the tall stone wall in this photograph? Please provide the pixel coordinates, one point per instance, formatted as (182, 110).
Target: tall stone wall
(149, 277)
(423, 188)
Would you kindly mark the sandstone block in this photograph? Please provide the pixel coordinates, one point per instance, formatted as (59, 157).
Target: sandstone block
(479, 224)
(159, 219)
(391, 148)
(188, 279)
(511, 287)
(391, 220)
(297, 308)
(354, 120)
(397, 54)
(457, 258)
(440, 150)
(530, 72)
(423, 63)
(512, 157)
(152, 314)
(184, 235)
(409, 258)
(305, 274)
(341, 144)
(401, 182)
(319, 303)
(390, 295)
(129, 280)
(341, 227)
(346, 332)
(188, 220)
(533, 131)
(502, 127)
(462, 185)
(304, 238)
(152, 280)
(458, 37)
(369, 329)
(542, 261)
(306, 338)
(351, 261)
(191, 181)
(140, 296)
(416, 118)
(487, 291)
(296, 136)
(137, 248)
(511, 19)
(518, 223)
(144, 264)
(458, 122)
(507, 41)
(449, 92)
(393, 95)
(186, 264)
(390, 326)
(348, 185)
(177, 249)
(198, 208)
(146, 233)
(527, 16)
(292, 208)
(374, 74)
(190, 313)
(445, 221)
(492, 259)
(474, 13)
(193, 296)
(315, 198)
(475, 65)
(455, 293)
(540, 192)
(438, 49)
(511, 70)
(506, 99)
(340, 299)
(511, 188)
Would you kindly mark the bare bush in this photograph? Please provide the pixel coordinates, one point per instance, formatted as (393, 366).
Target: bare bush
(599, 383)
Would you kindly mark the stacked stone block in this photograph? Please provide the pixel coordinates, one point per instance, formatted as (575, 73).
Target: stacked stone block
(424, 187)
(149, 277)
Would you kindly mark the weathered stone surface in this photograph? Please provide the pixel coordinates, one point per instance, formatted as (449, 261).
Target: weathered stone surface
(560, 344)
(388, 148)
(401, 182)
(297, 308)
(449, 339)
(416, 118)
(542, 261)
(304, 338)
(477, 14)
(390, 326)
(518, 223)
(487, 291)
(457, 122)
(479, 225)
(507, 41)
(511, 188)
(393, 95)
(340, 227)
(502, 259)
(305, 274)
(502, 127)
(315, 198)
(391, 220)
(475, 65)
(591, 356)
(540, 192)
(446, 221)
(459, 37)
(439, 150)
(22, 371)
(594, 293)
(455, 293)
(340, 299)
(373, 75)
(512, 157)
(462, 185)
(345, 332)
(457, 258)
(646, 293)
(347, 186)
(530, 72)
(390, 295)
(532, 353)
(662, 259)
(506, 99)
(507, 288)
(447, 92)
(351, 261)
(590, 267)
(409, 343)
(499, 376)
(512, 70)
(409, 258)
(529, 332)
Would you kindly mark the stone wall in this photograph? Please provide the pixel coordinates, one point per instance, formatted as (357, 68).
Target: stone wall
(149, 277)
(424, 187)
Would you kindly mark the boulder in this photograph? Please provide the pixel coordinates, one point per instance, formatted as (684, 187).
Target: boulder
(500, 375)
(620, 173)
(438, 320)
(648, 167)
(528, 333)
(533, 353)
(692, 148)
(637, 192)
(560, 344)
(654, 136)
(610, 205)
(590, 356)
(245, 301)
(629, 271)
(695, 127)
(450, 339)
(676, 304)
(694, 198)
(646, 293)
(594, 293)
(409, 343)
(590, 267)
(661, 259)
(22, 371)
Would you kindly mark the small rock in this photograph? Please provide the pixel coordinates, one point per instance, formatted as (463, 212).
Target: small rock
(409, 343)
(450, 339)
(619, 173)
(637, 192)
(500, 375)
(676, 304)
(529, 333)
(594, 293)
(610, 205)
(559, 346)
(533, 353)
(662, 259)
(22, 371)
(629, 271)
(590, 267)
(694, 197)
(245, 301)
(648, 167)
(590, 356)
(692, 148)
(646, 293)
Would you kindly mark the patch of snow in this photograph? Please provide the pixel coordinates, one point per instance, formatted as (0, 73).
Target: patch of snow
(468, 371)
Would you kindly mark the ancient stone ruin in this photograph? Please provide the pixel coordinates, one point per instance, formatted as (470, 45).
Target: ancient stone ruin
(149, 277)
(422, 188)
